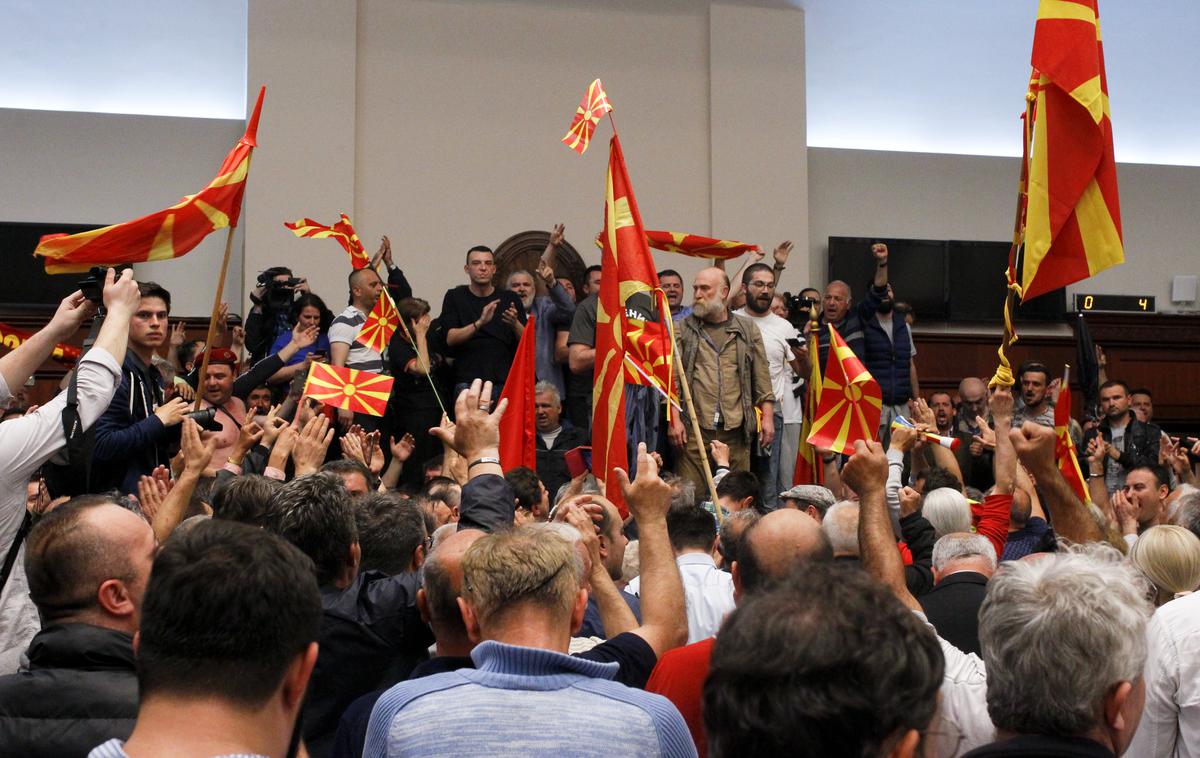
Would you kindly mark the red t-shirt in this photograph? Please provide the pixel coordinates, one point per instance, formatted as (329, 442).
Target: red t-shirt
(679, 677)
(991, 519)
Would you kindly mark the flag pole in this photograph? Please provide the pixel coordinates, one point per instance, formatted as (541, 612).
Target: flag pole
(691, 409)
(251, 136)
(1004, 375)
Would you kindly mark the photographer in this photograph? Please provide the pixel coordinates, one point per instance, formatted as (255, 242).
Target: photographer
(270, 316)
(28, 442)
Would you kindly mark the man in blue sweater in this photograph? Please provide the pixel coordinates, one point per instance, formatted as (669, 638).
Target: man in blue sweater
(523, 595)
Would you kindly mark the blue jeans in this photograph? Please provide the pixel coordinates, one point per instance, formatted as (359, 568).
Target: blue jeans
(769, 471)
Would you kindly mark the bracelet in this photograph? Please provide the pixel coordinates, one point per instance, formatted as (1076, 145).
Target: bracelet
(485, 459)
(778, 267)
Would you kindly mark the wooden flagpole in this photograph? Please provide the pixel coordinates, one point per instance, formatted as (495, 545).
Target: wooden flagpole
(212, 320)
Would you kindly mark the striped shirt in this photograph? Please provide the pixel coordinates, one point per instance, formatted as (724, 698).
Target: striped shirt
(492, 710)
(345, 330)
(116, 749)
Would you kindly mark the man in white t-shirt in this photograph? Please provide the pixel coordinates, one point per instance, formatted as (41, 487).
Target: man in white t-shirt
(784, 349)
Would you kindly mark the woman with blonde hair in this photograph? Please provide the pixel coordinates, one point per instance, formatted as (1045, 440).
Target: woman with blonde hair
(1169, 556)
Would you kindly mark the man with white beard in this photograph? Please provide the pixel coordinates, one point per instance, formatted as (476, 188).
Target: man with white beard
(725, 365)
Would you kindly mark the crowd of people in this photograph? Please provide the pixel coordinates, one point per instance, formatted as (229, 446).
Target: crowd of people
(268, 576)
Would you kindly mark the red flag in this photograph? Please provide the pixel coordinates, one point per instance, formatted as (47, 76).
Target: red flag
(697, 246)
(376, 332)
(851, 403)
(348, 388)
(626, 269)
(650, 351)
(1073, 216)
(342, 232)
(518, 428)
(591, 109)
(1064, 446)
(12, 338)
(168, 233)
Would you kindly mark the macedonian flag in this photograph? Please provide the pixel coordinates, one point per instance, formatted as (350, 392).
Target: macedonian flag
(166, 234)
(1073, 217)
(649, 351)
(348, 389)
(376, 332)
(697, 246)
(626, 269)
(1064, 446)
(851, 403)
(591, 109)
(342, 231)
(809, 467)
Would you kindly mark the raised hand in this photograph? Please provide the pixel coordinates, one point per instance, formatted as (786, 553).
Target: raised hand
(556, 234)
(880, 251)
(782, 251)
(311, 445)
(476, 431)
(178, 334)
(866, 471)
(197, 453)
(648, 496)
(171, 412)
(402, 449)
(121, 294)
(720, 452)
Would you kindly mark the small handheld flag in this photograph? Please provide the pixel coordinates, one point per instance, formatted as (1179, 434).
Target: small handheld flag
(950, 443)
(348, 389)
(376, 332)
(591, 109)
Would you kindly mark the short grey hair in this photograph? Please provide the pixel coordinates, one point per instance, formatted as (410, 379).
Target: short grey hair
(1187, 511)
(1059, 632)
(841, 527)
(549, 389)
(947, 510)
(519, 272)
(956, 545)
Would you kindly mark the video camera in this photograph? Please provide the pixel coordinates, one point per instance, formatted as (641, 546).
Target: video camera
(278, 294)
(206, 418)
(799, 309)
(93, 286)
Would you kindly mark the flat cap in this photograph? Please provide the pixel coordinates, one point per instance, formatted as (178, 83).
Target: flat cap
(813, 494)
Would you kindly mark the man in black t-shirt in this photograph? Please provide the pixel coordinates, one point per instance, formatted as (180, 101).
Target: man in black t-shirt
(482, 324)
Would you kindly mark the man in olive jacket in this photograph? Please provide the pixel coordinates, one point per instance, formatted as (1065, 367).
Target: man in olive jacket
(725, 365)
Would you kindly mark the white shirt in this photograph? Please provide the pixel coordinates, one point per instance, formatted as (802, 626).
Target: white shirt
(25, 444)
(963, 708)
(776, 331)
(1170, 724)
(707, 590)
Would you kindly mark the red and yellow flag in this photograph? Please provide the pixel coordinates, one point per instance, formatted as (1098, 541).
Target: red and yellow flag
(1064, 446)
(697, 246)
(1073, 216)
(342, 231)
(591, 109)
(851, 403)
(650, 350)
(809, 467)
(518, 428)
(376, 332)
(11, 338)
(348, 389)
(168, 233)
(626, 269)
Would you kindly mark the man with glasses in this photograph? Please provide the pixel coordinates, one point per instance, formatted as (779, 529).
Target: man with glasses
(786, 355)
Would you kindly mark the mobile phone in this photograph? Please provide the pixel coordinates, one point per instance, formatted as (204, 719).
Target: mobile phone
(793, 342)
(320, 355)
(579, 460)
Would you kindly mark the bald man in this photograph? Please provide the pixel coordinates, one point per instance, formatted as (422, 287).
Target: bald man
(365, 286)
(87, 562)
(769, 550)
(726, 367)
(838, 308)
(974, 458)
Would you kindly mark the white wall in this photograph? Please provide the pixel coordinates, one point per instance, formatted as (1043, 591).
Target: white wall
(448, 117)
(919, 195)
(85, 168)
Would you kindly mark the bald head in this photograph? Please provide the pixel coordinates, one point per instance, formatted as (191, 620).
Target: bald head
(365, 286)
(777, 545)
(972, 394)
(89, 561)
(710, 288)
(836, 302)
(442, 584)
